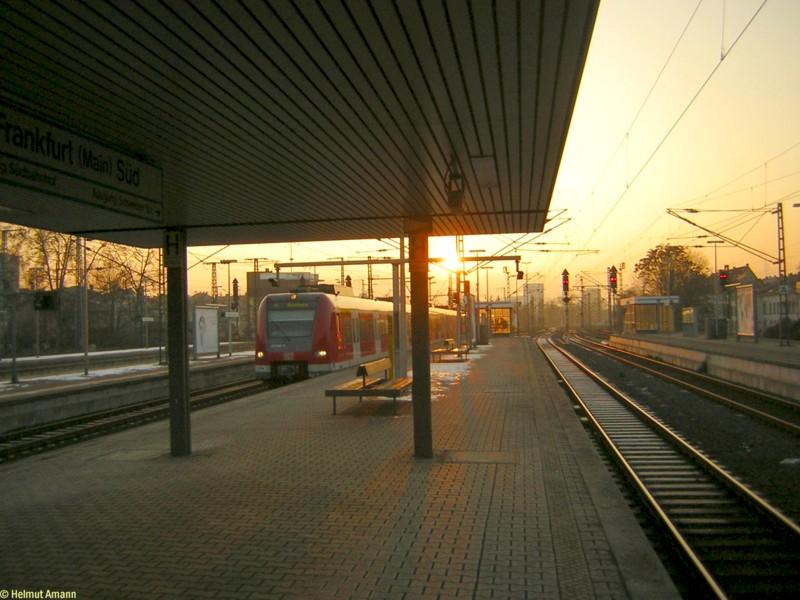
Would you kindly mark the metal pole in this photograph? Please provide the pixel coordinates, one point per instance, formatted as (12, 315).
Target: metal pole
(175, 261)
(420, 340)
(488, 307)
(85, 293)
(83, 308)
(14, 375)
(402, 328)
(396, 343)
(230, 321)
(458, 309)
(478, 291)
(37, 332)
(160, 305)
(783, 291)
(10, 300)
(516, 303)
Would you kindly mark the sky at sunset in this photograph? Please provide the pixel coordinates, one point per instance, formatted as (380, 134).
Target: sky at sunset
(718, 128)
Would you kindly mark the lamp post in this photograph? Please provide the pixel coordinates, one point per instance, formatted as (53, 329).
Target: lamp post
(715, 243)
(486, 307)
(477, 293)
(228, 262)
(527, 300)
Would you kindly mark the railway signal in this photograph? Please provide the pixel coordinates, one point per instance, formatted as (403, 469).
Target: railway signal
(612, 278)
(723, 278)
(565, 281)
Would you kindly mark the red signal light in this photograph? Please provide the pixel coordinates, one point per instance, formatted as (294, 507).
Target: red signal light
(612, 278)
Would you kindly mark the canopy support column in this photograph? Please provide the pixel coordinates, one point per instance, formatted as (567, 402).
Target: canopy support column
(420, 342)
(179, 419)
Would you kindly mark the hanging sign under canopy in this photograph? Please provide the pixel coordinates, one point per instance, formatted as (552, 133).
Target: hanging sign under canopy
(38, 157)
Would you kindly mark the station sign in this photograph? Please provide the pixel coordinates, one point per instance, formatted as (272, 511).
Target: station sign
(40, 157)
(231, 314)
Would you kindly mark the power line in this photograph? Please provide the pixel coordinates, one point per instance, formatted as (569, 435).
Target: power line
(626, 137)
(746, 173)
(675, 123)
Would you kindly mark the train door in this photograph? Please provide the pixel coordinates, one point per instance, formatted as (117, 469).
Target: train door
(356, 337)
(366, 325)
(345, 335)
(382, 333)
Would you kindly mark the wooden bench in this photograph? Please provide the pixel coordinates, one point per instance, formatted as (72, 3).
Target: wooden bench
(367, 383)
(449, 349)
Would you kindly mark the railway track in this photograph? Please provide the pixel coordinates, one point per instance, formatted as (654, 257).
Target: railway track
(23, 442)
(777, 411)
(735, 543)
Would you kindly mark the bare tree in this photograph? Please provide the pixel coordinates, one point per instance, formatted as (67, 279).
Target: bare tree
(47, 257)
(124, 275)
(672, 270)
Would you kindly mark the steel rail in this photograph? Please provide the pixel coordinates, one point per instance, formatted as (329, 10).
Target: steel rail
(710, 466)
(24, 442)
(658, 465)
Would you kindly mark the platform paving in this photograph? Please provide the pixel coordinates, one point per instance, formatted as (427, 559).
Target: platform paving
(282, 500)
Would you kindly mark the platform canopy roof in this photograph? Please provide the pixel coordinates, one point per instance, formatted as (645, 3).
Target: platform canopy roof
(285, 121)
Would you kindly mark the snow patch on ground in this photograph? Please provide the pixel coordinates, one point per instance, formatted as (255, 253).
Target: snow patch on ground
(96, 374)
(445, 374)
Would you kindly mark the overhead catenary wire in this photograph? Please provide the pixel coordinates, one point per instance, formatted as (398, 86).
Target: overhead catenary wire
(674, 124)
(626, 136)
(662, 141)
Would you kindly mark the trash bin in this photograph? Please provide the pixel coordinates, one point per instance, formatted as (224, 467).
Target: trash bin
(483, 334)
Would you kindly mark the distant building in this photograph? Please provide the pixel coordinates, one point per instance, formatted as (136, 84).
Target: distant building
(649, 314)
(769, 301)
(767, 298)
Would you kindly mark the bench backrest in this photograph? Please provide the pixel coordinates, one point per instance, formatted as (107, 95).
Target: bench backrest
(372, 367)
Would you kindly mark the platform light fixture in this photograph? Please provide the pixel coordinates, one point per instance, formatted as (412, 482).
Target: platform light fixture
(454, 185)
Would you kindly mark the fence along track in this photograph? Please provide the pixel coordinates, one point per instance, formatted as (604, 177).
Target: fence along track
(737, 544)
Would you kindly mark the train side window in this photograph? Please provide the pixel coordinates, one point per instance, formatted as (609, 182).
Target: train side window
(347, 329)
(366, 326)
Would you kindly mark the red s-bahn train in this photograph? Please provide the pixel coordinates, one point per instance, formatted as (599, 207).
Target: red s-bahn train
(305, 333)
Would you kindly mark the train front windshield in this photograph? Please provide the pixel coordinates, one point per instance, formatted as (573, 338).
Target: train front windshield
(290, 324)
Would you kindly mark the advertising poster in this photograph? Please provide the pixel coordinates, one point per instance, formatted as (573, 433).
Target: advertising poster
(745, 315)
(206, 337)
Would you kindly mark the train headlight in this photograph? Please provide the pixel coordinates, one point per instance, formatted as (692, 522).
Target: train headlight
(321, 353)
(259, 354)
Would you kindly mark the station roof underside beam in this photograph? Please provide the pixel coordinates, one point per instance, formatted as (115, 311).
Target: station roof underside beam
(285, 121)
(387, 261)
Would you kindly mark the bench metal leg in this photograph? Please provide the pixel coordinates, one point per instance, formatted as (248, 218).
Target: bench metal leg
(394, 405)
(334, 405)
